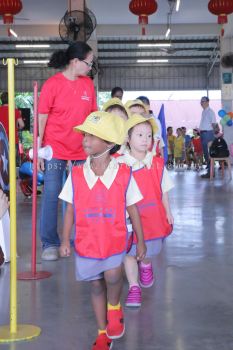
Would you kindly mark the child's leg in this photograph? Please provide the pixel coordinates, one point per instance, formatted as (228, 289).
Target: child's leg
(146, 274)
(131, 270)
(134, 296)
(114, 282)
(99, 302)
(115, 318)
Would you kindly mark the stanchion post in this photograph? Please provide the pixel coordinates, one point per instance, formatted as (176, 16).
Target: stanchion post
(15, 332)
(33, 274)
(34, 183)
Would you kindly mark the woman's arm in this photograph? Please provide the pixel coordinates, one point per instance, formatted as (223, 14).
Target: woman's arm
(42, 121)
(137, 227)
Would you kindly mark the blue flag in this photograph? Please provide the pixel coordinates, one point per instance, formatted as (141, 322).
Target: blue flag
(161, 118)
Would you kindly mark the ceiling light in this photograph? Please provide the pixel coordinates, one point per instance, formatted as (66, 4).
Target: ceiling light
(168, 32)
(36, 61)
(152, 61)
(31, 45)
(155, 45)
(12, 32)
(177, 5)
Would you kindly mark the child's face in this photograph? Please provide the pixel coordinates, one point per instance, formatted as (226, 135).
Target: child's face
(93, 145)
(179, 132)
(137, 109)
(183, 131)
(170, 131)
(120, 113)
(141, 138)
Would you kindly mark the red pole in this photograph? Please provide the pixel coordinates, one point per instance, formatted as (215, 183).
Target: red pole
(33, 274)
(34, 179)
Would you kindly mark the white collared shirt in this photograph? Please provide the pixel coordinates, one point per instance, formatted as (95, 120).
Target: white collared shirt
(207, 119)
(133, 194)
(167, 183)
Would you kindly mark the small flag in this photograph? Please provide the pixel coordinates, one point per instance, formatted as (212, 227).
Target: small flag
(161, 118)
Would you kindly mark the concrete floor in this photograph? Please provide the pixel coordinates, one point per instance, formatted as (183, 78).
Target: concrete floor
(189, 308)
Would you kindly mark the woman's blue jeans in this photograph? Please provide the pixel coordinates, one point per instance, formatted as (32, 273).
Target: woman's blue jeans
(53, 182)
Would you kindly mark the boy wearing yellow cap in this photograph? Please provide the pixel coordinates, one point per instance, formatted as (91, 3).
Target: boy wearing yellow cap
(154, 183)
(98, 194)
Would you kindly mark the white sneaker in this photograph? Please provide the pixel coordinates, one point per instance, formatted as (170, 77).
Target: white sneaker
(50, 254)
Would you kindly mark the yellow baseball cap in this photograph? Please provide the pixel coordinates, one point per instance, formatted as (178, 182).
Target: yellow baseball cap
(112, 102)
(106, 126)
(135, 119)
(132, 103)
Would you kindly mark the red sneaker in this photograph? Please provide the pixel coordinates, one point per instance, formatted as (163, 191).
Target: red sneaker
(115, 324)
(103, 342)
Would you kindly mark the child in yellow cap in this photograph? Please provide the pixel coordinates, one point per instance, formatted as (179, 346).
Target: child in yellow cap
(136, 107)
(141, 106)
(158, 146)
(116, 107)
(154, 183)
(98, 193)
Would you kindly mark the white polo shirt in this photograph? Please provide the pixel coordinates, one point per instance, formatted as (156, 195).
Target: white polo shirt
(207, 119)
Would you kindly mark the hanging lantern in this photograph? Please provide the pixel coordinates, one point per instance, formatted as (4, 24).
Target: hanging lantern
(143, 9)
(221, 8)
(9, 8)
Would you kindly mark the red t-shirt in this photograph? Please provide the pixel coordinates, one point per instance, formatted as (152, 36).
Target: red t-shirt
(67, 103)
(5, 121)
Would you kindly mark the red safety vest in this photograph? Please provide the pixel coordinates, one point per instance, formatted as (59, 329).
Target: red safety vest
(100, 214)
(152, 211)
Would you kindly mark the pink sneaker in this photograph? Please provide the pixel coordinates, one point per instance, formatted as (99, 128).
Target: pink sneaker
(134, 297)
(146, 276)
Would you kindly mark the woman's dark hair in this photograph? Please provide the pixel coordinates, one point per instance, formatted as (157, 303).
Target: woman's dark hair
(115, 90)
(4, 98)
(61, 58)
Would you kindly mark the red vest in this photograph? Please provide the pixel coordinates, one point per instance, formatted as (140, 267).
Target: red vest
(100, 215)
(152, 211)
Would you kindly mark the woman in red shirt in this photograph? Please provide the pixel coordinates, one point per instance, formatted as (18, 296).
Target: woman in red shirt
(66, 99)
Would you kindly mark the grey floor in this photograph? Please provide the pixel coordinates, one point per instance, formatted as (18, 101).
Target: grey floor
(189, 308)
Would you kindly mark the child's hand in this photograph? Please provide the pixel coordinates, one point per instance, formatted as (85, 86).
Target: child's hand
(170, 219)
(141, 251)
(64, 249)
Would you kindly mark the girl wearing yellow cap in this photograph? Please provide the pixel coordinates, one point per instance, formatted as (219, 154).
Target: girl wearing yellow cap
(98, 194)
(154, 183)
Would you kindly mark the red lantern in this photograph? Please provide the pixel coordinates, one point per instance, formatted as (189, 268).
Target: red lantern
(143, 9)
(221, 8)
(9, 8)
